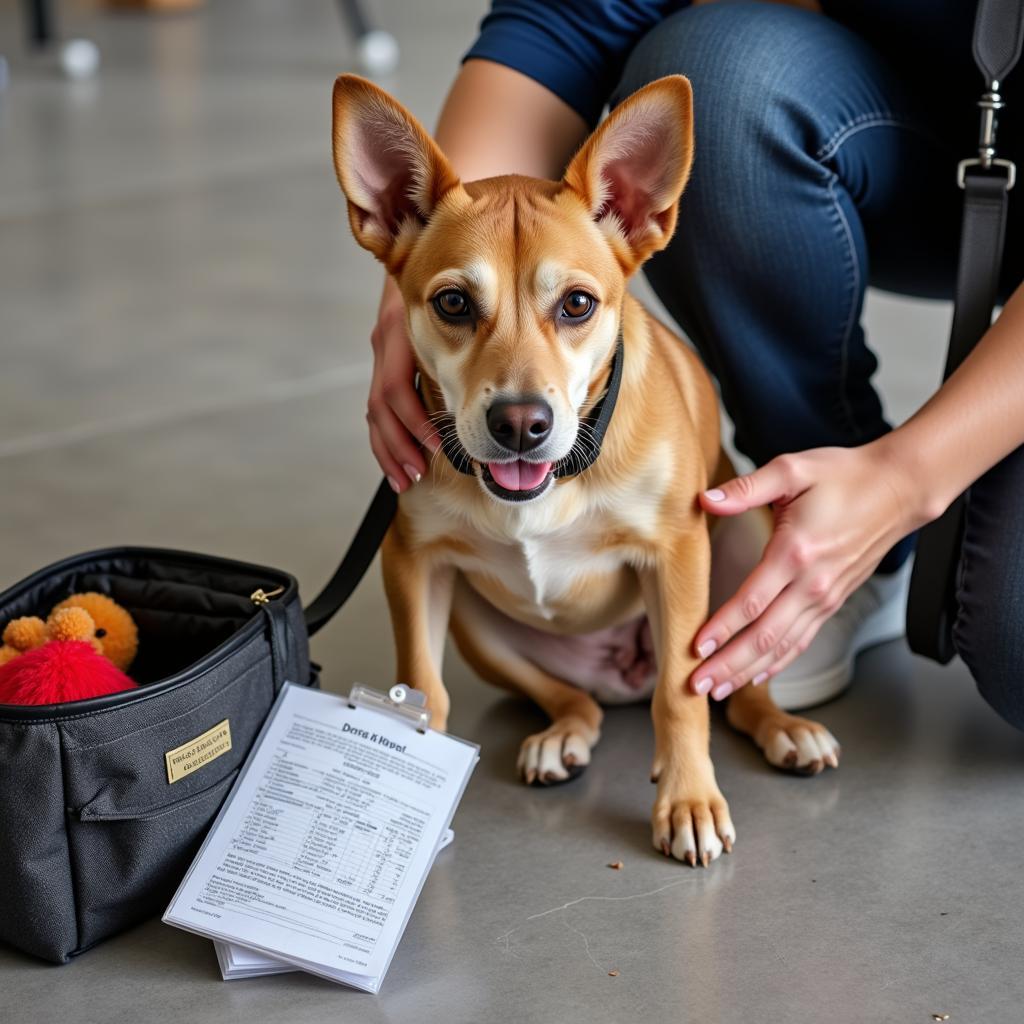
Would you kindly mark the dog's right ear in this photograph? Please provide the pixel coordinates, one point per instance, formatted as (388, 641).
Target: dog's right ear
(632, 170)
(391, 171)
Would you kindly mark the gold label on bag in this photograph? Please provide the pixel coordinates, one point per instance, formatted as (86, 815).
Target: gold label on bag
(191, 756)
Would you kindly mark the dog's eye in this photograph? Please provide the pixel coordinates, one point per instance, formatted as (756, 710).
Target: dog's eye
(577, 306)
(451, 304)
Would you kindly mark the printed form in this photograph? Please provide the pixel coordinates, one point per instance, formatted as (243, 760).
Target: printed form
(321, 849)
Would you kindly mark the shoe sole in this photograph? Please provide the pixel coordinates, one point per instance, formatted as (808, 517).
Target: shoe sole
(887, 623)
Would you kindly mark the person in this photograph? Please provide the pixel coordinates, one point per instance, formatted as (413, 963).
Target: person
(827, 140)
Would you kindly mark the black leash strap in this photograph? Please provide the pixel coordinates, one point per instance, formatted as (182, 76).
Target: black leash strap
(379, 515)
(986, 181)
(357, 560)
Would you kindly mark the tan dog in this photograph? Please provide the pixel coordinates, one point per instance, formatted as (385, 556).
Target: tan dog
(516, 295)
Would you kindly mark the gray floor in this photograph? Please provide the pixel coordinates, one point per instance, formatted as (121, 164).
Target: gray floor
(184, 324)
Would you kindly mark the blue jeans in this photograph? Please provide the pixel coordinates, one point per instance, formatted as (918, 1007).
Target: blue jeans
(824, 163)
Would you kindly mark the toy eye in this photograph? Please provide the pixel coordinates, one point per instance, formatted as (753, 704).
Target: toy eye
(452, 305)
(100, 633)
(577, 306)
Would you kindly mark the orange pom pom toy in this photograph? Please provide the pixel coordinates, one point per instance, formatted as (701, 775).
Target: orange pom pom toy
(115, 628)
(21, 635)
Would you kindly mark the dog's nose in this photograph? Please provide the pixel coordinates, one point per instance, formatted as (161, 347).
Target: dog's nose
(520, 426)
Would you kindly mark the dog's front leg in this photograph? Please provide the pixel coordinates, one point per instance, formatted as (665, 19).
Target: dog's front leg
(419, 591)
(691, 818)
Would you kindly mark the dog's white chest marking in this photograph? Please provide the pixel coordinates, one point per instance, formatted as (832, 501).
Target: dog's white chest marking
(540, 553)
(540, 571)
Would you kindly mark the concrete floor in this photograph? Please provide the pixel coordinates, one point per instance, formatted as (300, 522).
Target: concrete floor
(184, 323)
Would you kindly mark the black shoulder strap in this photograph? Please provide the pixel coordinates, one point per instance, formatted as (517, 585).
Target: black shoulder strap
(998, 37)
(357, 560)
(986, 181)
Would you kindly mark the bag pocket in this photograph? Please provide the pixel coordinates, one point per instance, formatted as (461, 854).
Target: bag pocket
(127, 863)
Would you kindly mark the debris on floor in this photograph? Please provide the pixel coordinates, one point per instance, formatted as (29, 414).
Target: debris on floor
(616, 865)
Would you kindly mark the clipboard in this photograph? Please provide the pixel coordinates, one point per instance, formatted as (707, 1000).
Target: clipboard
(319, 852)
(401, 702)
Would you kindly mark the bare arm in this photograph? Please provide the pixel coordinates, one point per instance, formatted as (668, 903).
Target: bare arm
(495, 121)
(498, 121)
(974, 421)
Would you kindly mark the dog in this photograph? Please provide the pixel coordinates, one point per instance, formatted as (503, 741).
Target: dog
(561, 576)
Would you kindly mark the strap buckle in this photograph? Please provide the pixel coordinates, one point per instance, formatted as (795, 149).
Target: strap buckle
(1008, 165)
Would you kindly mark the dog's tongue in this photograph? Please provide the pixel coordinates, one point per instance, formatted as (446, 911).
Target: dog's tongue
(519, 475)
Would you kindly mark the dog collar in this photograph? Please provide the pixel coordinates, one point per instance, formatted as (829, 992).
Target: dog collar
(588, 442)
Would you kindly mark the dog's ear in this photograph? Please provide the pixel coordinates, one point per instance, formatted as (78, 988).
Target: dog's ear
(631, 172)
(391, 171)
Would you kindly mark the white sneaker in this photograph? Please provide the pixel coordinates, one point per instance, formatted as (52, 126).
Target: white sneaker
(874, 613)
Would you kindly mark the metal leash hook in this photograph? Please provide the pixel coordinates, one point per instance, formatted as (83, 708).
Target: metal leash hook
(990, 104)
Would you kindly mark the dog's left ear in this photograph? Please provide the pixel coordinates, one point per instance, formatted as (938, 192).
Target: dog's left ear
(631, 172)
(391, 171)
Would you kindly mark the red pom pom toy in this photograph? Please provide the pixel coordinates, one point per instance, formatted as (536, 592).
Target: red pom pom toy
(68, 667)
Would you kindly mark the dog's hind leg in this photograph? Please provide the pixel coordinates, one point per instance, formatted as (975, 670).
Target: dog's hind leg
(562, 751)
(788, 741)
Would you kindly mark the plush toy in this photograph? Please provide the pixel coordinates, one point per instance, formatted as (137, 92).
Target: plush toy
(79, 652)
(22, 635)
(114, 627)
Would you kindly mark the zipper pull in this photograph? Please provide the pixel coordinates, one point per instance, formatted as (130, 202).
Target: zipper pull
(261, 597)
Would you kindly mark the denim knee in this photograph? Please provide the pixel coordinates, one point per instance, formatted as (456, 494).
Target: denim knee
(990, 639)
(740, 41)
(769, 80)
(742, 59)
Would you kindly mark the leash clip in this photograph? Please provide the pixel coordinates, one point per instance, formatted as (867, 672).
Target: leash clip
(1009, 166)
(990, 104)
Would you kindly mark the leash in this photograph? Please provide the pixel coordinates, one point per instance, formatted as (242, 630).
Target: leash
(986, 181)
(379, 516)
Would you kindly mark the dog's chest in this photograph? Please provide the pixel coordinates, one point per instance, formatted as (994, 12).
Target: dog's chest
(542, 573)
(549, 564)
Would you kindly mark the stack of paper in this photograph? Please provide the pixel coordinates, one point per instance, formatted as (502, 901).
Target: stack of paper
(323, 845)
(238, 962)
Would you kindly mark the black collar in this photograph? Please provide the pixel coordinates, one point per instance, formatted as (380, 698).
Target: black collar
(588, 442)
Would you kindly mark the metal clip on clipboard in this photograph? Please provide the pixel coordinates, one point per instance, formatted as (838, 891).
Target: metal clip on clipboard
(400, 702)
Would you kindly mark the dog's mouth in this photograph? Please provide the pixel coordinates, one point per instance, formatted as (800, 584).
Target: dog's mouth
(518, 480)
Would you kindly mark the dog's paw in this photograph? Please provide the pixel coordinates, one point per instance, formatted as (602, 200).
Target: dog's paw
(797, 744)
(558, 754)
(692, 827)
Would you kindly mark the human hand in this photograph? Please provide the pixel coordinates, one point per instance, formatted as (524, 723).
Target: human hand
(837, 512)
(398, 422)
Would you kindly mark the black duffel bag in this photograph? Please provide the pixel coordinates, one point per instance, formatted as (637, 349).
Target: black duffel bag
(94, 835)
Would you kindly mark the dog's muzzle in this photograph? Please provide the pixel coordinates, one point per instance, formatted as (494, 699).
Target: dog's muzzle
(521, 479)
